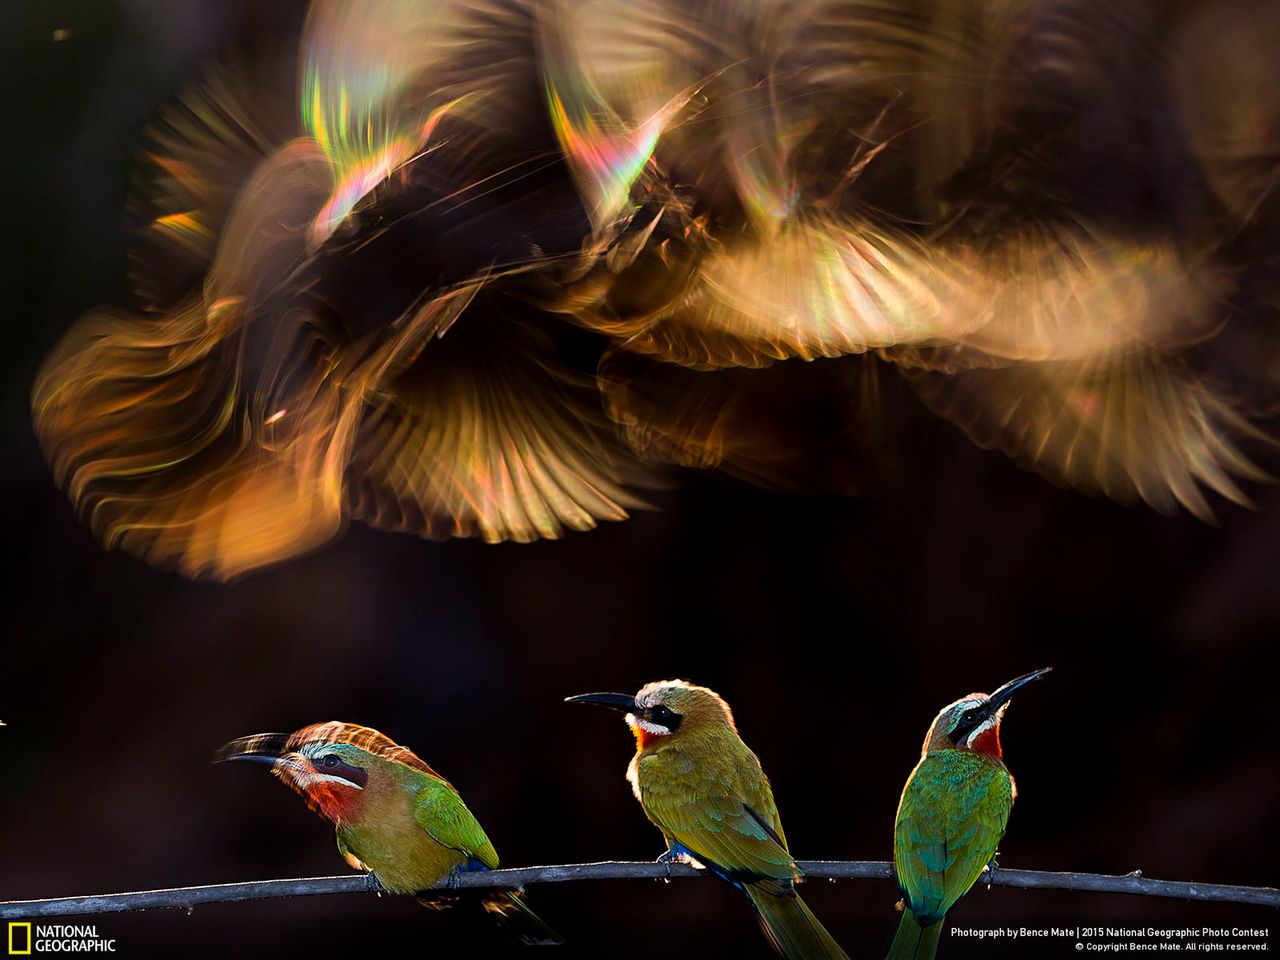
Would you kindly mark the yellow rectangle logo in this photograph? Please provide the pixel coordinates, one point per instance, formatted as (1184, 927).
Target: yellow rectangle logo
(14, 950)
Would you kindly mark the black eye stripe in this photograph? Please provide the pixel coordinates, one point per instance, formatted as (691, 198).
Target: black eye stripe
(663, 716)
(967, 722)
(333, 765)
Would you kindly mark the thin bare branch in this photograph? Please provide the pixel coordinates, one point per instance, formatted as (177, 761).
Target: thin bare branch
(189, 897)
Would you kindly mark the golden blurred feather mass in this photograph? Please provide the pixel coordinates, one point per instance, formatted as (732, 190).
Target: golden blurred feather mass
(499, 266)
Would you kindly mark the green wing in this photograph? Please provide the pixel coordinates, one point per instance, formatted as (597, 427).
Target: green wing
(953, 813)
(719, 807)
(440, 812)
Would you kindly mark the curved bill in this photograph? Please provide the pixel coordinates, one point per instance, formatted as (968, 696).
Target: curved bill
(1003, 694)
(259, 748)
(623, 702)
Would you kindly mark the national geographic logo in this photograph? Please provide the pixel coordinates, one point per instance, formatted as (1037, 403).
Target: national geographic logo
(26, 939)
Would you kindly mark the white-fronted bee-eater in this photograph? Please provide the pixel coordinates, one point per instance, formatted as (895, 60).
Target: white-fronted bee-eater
(395, 816)
(706, 791)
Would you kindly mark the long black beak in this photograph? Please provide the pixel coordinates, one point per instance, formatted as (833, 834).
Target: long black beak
(1004, 693)
(623, 702)
(260, 748)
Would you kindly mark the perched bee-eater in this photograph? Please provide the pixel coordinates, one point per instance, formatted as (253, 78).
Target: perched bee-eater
(705, 790)
(395, 816)
(953, 812)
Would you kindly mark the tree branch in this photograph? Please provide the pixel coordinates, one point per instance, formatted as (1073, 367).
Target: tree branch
(189, 897)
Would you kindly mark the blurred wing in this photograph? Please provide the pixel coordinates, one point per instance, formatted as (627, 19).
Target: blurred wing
(199, 152)
(811, 428)
(146, 427)
(721, 812)
(953, 813)
(1047, 291)
(1134, 425)
(370, 93)
(607, 151)
(440, 812)
(179, 443)
(821, 288)
(486, 435)
(1228, 80)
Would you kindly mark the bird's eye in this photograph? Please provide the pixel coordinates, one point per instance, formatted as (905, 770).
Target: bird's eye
(661, 713)
(329, 761)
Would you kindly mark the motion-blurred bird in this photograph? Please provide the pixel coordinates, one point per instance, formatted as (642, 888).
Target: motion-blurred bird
(953, 812)
(301, 362)
(705, 790)
(919, 180)
(395, 816)
(363, 306)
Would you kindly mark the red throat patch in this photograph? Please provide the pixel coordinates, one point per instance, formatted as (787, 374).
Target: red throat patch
(334, 803)
(644, 737)
(987, 742)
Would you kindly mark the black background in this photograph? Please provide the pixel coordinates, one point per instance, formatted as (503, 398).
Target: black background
(835, 627)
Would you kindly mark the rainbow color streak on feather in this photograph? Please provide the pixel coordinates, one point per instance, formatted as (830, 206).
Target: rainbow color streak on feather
(367, 300)
(359, 100)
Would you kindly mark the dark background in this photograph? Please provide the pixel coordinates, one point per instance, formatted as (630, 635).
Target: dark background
(835, 627)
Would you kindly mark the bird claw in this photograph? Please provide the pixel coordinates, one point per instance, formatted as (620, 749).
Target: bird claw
(665, 858)
(989, 871)
(374, 884)
(454, 880)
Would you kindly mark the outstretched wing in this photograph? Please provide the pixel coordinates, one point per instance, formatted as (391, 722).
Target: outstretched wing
(487, 434)
(199, 153)
(1137, 425)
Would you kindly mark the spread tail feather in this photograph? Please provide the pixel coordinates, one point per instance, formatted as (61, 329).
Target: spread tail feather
(791, 927)
(914, 942)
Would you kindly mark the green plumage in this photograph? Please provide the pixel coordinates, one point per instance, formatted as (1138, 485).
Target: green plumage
(393, 814)
(953, 812)
(914, 942)
(411, 828)
(707, 792)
